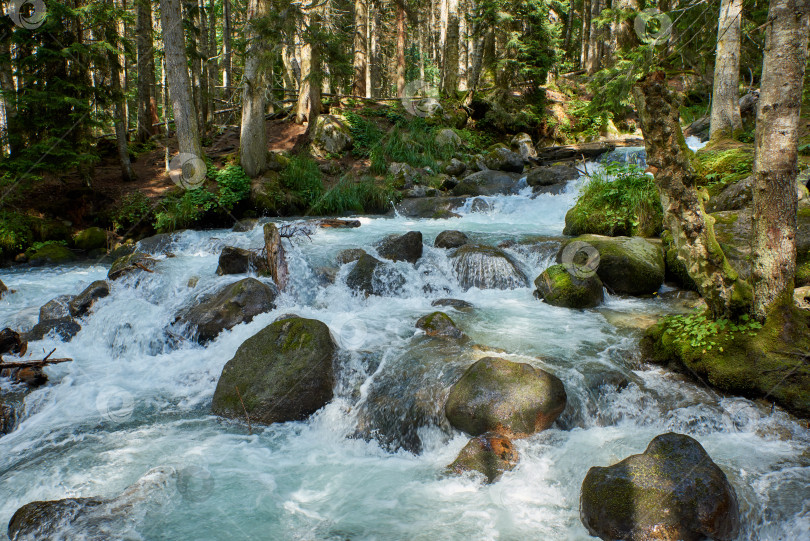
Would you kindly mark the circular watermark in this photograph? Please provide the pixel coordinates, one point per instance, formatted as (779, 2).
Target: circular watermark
(115, 404)
(580, 259)
(29, 14)
(420, 98)
(195, 483)
(652, 26)
(187, 170)
(352, 333)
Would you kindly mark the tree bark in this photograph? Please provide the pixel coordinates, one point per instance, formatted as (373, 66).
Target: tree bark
(185, 114)
(119, 107)
(594, 39)
(400, 49)
(202, 49)
(586, 29)
(274, 251)
(360, 47)
(451, 49)
(375, 67)
(303, 104)
(726, 295)
(776, 163)
(227, 64)
(147, 106)
(253, 137)
(725, 117)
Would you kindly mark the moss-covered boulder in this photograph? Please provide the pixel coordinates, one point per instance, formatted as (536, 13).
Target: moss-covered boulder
(135, 262)
(739, 358)
(523, 145)
(81, 303)
(349, 255)
(675, 268)
(41, 520)
(439, 324)
(501, 158)
(51, 253)
(486, 267)
(558, 287)
(92, 238)
(671, 491)
(407, 247)
(487, 183)
(512, 399)
(627, 265)
(331, 135)
(447, 138)
(450, 239)
(236, 303)
(489, 454)
(282, 373)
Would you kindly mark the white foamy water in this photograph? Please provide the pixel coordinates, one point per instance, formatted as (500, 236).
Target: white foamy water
(133, 400)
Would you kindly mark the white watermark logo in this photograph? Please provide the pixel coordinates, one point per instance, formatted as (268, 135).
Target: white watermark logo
(29, 14)
(115, 404)
(195, 483)
(580, 259)
(187, 171)
(420, 98)
(652, 26)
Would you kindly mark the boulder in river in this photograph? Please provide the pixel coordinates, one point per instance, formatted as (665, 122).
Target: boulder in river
(486, 267)
(487, 183)
(627, 265)
(558, 287)
(439, 324)
(349, 255)
(430, 207)
(407, 247)
(513, 399)
(56, 308)
(235, 303)
(450, 239)
(65, 328)
(132, 263)
(245, 225)
(373, 277)
(490, 454)
(159, 244)
(3, 289)
(240, 261)
(501, 158)
(671, 491)
(282, 373)
(81, 303)
(551, 175)
(50, 253)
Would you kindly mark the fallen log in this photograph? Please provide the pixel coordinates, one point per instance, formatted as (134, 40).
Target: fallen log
(32, 364)
(334, 222)
(571, 152)
(274, 251)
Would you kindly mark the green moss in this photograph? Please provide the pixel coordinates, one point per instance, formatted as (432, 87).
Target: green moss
(92, 238)
(298, 335)
(722, 163)
(49, 252)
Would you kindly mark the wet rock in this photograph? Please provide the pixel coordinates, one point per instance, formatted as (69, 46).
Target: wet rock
(558, 287)
(243, 226)
(53, 254)
(513, 399)
(450, 239)
(65, 328)
(8, 417)
(522, 144)
(236, 303)
(92, 238)
(283, 373)
(481, 206)
(41, 520)
(12, 342)
(490, 454)
(551, 175)
(373, 277)
(156, 245)
(460, 305)
(455, 167)
(56, 308)
(487, 183)
(671, 491)
(430, 207)
(627, 265)
(128, 264)
(349, 255)
(331, 135)
(503, 159)
(81, 303)
(439, 324)
(407, 247)
(486, 267)
(240, 261)
(3, 289)
(448, 138)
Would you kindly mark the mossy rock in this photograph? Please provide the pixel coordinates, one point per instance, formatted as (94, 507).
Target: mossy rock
(450, 239)
(627, 265)
(439, 324)
(489, 454)
(501, 158)
(486, 267)
(45, 229)
(92, 238)
(282, 373)
(487, 183)
(127, 264)
(675, 268)
(512, 399)
(754, 363)
(38, 520)
(583, 220)
(52, 253)
(81, 303)
(331, 135)
(558, 287)
(671, 491)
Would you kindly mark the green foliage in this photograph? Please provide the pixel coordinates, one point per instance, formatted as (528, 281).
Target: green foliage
(15, 233)
(303, 177)
(719, 168)
(234, 186)
(411, 141)
(39, 245)
(185, 211)
(364, 134)
(700, 331)
(350, 196)
(133, 209)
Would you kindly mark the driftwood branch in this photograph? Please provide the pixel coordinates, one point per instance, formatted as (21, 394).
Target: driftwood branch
(32, 364)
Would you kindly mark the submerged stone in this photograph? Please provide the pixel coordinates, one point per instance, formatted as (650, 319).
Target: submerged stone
(489, 454)
(439, 324)
(486, 267)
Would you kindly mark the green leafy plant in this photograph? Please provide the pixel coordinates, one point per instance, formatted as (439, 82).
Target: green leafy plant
(184, 211)
(15, 233)
(702, 332)
(234, 186)
(133, 209)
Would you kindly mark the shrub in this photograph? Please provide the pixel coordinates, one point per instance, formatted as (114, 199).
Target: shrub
(349, 196)
(234, 186)
(15, 233)
(184, 211)
(303, 177)
(133, 209)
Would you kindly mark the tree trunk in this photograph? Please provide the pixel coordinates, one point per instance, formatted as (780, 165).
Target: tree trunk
(185, 114)
(227, 64)
(451, 50)
(119, 105)
(213, 60)
(274, 251)
(146, 71)
(375, 67)
(202, 49)
(725, 119)
(400, 49)
(622, 34)
(303, 104)
(253, 137)
(594, 39)
(586, 30)
(569, 29)
(316, 71)
(360, 47)
(776, 163)
(692, 228)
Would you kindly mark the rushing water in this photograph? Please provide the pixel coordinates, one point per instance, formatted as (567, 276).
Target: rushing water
(132, 400)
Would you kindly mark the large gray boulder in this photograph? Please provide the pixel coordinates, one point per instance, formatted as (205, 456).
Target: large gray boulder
(501, 158)
(522, 144)
(450, 239)
(282, 373)
(551, 175)
(513, 399)
(81, 303)
(64, 328)
(371, 276)
(430, 207)
(407, 247)
(240, 261)
(486, 267)
(671, 491)
(487, 183)
(56, 308)
(331, 135)
(235, 303)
